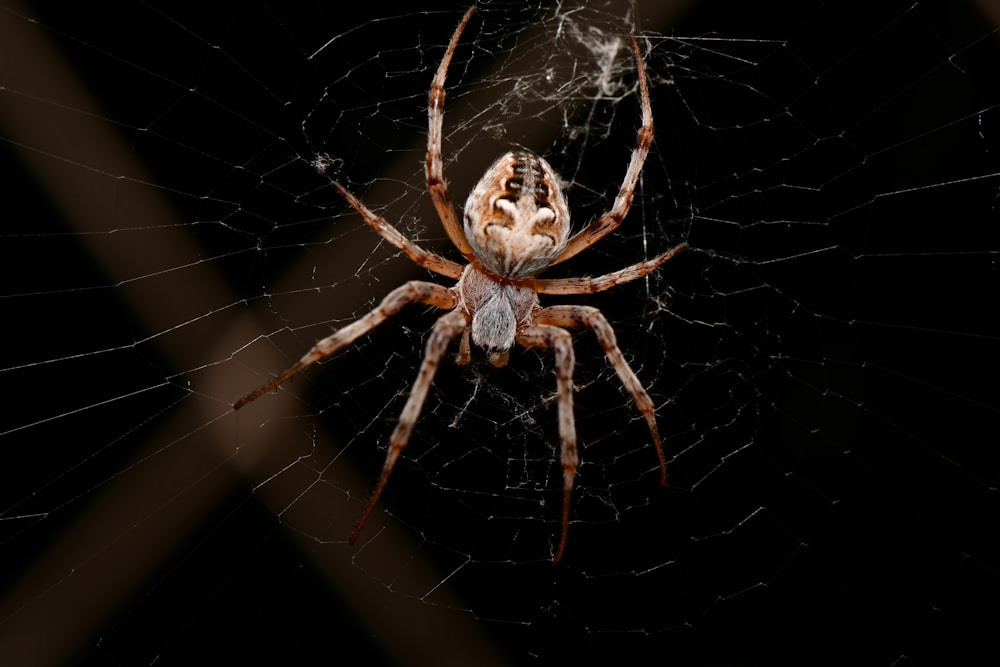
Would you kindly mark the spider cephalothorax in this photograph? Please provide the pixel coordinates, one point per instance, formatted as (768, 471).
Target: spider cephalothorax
(516, 224)
(497, 309)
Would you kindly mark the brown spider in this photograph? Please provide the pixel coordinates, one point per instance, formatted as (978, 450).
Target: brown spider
(516, 226)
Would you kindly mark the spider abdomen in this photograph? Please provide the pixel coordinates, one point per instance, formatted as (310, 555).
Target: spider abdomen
(516, 218)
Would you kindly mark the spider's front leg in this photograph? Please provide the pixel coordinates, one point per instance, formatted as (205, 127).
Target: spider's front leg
(575, 316)
(447, 327)
(541, 335)
(415, 290)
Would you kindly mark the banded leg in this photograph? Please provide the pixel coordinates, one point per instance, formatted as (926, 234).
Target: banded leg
(447, 327)
(424, 258)
(413, 291)
(623, 202)
(608, 280)
(434, 167)
(574, 316)
(559, 339)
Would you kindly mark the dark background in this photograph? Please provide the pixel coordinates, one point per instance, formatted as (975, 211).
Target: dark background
(823, 357)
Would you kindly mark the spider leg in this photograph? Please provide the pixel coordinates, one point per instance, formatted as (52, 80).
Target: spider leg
(436, 184)
(447, 327)
(607, 281)
(610, 220)
(465, 348)
(415, 290)
(569, 316)
(541, 335)
(424, 258)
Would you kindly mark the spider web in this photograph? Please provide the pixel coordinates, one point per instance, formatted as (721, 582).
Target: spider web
(822, 356)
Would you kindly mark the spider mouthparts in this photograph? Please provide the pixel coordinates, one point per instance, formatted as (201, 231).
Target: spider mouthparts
(499, 358)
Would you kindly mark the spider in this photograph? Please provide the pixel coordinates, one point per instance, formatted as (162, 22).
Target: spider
(516, 225)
